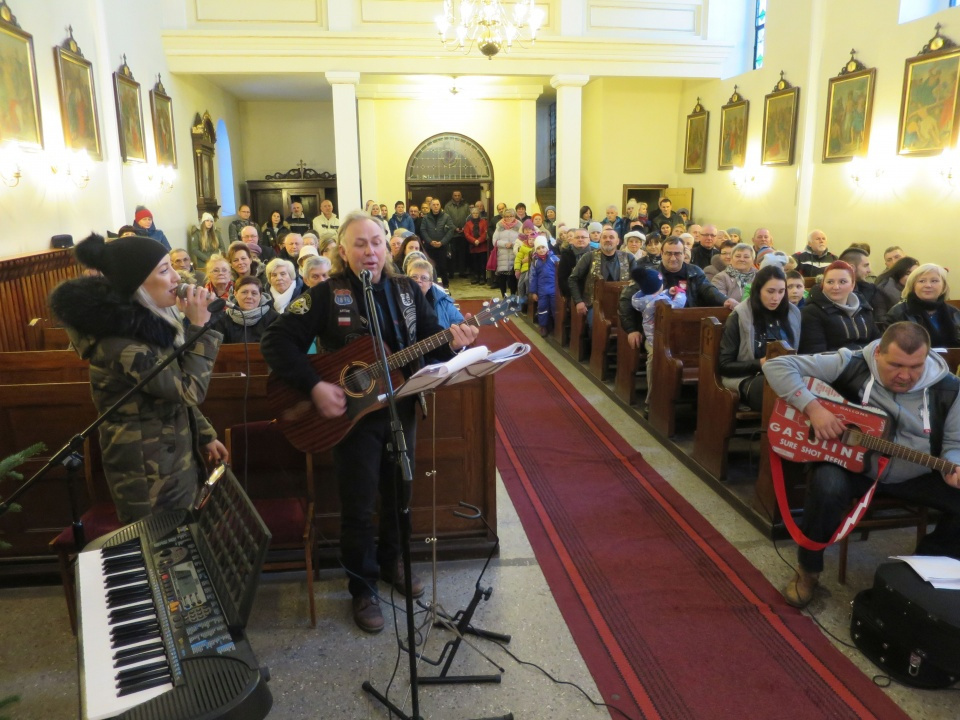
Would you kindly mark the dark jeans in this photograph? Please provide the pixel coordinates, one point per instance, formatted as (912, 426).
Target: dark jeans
(832, 490)
(478, 265)
(458, 246)
(507, 280)
(365, 469)
(751, 392)
(439, 257)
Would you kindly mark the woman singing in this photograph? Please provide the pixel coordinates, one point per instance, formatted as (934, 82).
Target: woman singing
(124, 322)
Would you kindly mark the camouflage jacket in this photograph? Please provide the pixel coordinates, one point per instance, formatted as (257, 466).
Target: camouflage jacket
(152, 444)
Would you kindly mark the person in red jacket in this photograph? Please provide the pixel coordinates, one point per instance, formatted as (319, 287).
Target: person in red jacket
(475, 231)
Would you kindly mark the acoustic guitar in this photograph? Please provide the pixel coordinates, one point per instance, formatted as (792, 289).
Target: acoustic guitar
(356, 370)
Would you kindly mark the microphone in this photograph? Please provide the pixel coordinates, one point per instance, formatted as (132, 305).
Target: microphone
(215, 306)
(366, 276)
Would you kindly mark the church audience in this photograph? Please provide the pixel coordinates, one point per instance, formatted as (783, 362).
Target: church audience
(143, 220)
(504, 241)
(816, 257)
(271, 229)
(243, 263)
(315, 270)
(285, 284)
(421, 272)
(326, 220)
(180, 259)
(242, 220)
(204, 241)
(890, 284)
(925, 303)
(835, 316)
(219, 278)
(738, 274)
(720, 261)
(296, 220)
(248, 316)
(475, 232)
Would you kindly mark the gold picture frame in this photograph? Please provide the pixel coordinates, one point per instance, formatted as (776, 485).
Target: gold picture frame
(929, 105)
(164, 138)
(133, 145)
(734, 118)
(20, 110)
(78, 99)
(846, 134)
(780, 111)
(695, 147)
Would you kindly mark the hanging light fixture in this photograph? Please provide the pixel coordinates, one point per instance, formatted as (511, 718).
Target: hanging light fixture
(485, 23)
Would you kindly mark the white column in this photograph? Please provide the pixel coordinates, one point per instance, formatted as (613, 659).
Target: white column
(528, 140)
(346, 139)
(807, 164)
(569, 127)
(367, 126)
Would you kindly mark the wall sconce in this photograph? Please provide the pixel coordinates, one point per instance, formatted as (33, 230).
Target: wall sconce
(863, 172)
(10, 165)
(157, 178)
(75, 166)
(742, 178)
(950, 168)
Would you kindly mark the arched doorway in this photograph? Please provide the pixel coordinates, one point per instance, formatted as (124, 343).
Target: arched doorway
(447, 162)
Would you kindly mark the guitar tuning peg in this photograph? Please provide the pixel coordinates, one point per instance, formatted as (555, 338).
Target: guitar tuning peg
(486, 303)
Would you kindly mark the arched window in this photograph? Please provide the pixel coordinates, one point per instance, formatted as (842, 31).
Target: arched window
(225, 166)
(449, 156)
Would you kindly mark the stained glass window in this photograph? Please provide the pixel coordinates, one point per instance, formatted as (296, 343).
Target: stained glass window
(449, 157)
(759, 30)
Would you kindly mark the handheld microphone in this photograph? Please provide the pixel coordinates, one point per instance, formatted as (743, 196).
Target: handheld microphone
(215, 306)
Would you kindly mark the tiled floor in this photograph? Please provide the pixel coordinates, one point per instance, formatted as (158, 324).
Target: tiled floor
(317, 673)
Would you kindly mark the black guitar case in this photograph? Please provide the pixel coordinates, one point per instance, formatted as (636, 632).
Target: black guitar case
(908, 628)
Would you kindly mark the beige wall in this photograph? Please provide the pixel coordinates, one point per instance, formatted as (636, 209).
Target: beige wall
(811, 42)
(43, 205)
(277, 135)
(631, 127)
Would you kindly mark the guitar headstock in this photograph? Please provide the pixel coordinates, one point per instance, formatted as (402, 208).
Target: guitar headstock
(496, 310)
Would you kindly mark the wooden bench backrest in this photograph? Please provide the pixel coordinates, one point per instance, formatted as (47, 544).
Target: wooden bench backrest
(679, 330)
(607, 301)
(809, 282)
(952, 358)
(44, 335)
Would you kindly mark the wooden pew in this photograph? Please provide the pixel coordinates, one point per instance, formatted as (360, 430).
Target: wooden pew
(631, 362)
(578, 334)
(606, 320)
(561, 331)
(676, 360)
(44, 335)
(765, 500)
(809, 282)
(952, 358)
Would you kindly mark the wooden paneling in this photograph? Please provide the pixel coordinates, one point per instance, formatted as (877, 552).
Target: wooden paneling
(25, 283)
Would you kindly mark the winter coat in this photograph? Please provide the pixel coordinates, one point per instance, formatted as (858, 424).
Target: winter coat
(503, 241)
(236, 227)
(198, 254)
(443, 305)
(741, 350)
(400, 221)
(474, 231)
(232, 321)
(153, 233)
(151, 446)
(543, 274)
(811, 265)
(436, 227)
(521, 262)
(268, 234)
(939, 337)
(716, 266)
(700, 293)
(458, 214)
(702, 257)
(888, 293)
(569, 257)
(826, 327)
(728, 285)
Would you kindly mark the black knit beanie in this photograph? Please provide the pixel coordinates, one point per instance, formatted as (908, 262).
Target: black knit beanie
(126, 262)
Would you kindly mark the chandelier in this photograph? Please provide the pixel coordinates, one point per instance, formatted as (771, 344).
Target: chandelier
(485, 23)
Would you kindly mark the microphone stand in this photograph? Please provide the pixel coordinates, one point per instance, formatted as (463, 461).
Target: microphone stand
(403, 482)
(72, 450)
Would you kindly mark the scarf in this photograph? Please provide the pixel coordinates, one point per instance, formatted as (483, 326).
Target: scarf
(281, 300)
(852, 306)
(226, 293)
(742, 278)
(509, 224)
(941, 326)
(249, 318)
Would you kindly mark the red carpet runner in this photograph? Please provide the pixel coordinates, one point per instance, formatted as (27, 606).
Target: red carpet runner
(667, 614)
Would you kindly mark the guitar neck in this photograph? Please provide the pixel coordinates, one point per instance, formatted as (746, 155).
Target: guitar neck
(885, 447)
(419, 349)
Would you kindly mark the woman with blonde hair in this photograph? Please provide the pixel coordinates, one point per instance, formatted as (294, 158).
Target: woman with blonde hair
(219, 278)
(204, 241)
(925, 303)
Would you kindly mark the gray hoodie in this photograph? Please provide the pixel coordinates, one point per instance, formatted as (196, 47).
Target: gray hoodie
(905, 410)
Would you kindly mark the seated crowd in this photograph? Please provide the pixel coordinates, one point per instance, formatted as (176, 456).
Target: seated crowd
(814, 301)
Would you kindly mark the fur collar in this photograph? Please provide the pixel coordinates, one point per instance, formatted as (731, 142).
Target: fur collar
(92, 308)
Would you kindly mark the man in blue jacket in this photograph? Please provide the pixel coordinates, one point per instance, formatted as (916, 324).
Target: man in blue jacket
(400, 219)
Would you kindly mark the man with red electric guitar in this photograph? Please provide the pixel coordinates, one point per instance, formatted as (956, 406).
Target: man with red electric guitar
(334, 313)
(914, 387)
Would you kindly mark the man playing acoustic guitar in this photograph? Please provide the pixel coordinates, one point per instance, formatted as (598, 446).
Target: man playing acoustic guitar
(914, 387)
(334, 313)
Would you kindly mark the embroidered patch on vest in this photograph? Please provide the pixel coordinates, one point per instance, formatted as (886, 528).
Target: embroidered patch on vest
(343, 319)
(300, 306)
(406, 299)
(343, 297)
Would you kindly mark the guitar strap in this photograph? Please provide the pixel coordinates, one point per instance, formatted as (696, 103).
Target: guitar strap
(846, 526)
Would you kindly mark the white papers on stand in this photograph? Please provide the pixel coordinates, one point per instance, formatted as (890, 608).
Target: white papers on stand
(433, 376)
(941, 572)
(492, 362)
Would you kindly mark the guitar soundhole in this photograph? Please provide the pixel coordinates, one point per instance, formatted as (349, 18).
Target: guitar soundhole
(357, 380)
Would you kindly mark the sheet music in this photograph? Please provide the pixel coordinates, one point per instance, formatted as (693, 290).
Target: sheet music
(491, 363)
(941, 572)
(472, 363)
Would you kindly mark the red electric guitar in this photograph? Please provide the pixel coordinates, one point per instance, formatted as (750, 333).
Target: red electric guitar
(355, 369)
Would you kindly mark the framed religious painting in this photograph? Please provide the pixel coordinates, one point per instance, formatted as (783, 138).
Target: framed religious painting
(780, 110)
(849, 109)
(161, 110)
(733, 132)
(695, 148)
(78, 100)
(20, 105)
(133, 146)
(929, 111)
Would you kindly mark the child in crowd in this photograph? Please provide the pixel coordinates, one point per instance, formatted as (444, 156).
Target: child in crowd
(644, 301)
(633, 243)
(796, 288)
(521, 263)
(543, 283)
(651, 252)
(595, 229)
